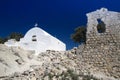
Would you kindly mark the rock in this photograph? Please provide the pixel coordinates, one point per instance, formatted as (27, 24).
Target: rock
(17, 74)
(46, 78)
(98, 57)
(19, 61)
(33, 78)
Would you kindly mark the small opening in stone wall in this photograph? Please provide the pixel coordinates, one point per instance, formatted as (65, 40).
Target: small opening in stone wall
(101, 26)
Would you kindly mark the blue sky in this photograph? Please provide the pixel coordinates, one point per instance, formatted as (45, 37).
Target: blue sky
(57, 17)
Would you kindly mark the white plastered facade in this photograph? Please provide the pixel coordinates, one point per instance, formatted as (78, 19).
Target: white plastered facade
(38, 40)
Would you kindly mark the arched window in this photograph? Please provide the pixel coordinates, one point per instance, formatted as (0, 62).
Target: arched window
(101, 26)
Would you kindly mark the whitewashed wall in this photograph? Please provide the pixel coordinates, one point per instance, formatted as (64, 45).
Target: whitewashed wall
(44, 41)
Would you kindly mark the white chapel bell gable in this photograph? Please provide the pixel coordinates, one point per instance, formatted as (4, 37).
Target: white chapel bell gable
(39, 40)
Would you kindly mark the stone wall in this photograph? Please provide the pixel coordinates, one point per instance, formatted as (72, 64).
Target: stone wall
(110, 18)
(102, 50)
(98, 59)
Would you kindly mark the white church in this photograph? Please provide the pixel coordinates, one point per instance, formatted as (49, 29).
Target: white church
(38, 40)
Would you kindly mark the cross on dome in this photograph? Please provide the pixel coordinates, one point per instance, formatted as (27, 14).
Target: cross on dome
(36, 25)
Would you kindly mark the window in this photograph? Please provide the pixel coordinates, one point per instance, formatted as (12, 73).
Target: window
(101, 26)
(34, 38)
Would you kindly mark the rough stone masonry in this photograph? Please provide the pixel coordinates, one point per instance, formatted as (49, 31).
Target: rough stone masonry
(102, 50)
(99, 56)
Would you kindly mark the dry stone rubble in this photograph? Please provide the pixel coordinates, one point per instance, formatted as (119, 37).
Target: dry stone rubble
(97, 59)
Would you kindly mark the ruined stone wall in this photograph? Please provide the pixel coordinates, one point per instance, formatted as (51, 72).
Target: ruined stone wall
(110, 18)
(102, 50)
(100, 56)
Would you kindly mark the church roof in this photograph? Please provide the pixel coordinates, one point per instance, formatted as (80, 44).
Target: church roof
(36, 31)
